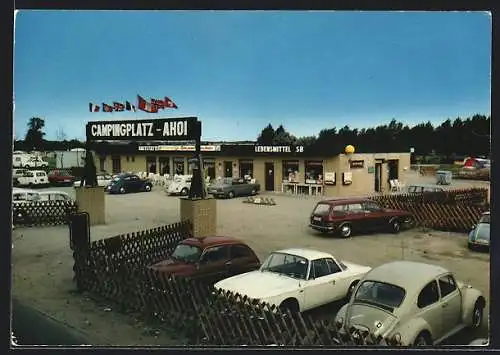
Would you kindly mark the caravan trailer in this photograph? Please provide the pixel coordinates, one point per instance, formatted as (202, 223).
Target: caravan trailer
(26, 160)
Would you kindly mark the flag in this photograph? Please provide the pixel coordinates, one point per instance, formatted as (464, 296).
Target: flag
(169, 103)
(160, 104)
(93, 108)
(118, 106)
(146, 106)
(129, 106)
(107, 108)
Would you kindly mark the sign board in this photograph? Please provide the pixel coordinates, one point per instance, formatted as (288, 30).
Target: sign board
(329, 178)
(279, 149)
(371, 170)
(178, 148)
(163, 129)
(412, 150)
(356, 164)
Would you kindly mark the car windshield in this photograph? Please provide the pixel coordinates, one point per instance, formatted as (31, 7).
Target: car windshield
(483, 231)
(187, 253)
(286, 264)
(485, 219)
(322, 208)
(380, 294)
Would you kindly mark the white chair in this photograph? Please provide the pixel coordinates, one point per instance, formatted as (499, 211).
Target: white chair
(393, 185)
(400, 185)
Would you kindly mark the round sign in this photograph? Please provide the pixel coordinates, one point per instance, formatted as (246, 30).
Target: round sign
(349, 149)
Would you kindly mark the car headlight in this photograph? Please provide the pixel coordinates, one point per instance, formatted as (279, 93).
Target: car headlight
(339, 322)
(396, 338)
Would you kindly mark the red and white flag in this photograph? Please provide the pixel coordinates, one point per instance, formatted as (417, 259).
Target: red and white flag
(107, 108)
(145, 106)
(169, 103)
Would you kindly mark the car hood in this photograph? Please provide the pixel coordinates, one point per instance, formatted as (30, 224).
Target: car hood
(174, 267)
(368, 317)
(259, 284)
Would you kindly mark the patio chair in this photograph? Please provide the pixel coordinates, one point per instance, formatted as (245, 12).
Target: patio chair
(400, 185)
(393, 185)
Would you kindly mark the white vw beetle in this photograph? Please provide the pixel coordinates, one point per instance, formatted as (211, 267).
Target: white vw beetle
(180, 185)
(297, 280)
(410, 303)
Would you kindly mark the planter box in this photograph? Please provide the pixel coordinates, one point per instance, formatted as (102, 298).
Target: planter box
(93, 201)
(202, 214)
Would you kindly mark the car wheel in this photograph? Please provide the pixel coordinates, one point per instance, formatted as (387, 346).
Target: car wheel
(289, 305)
(147, 188)
(395, 226)
(477, 315)
(184, 191)
(122, 190)
(410, 222)
(230, 194)
(346, 230)
(423, 339)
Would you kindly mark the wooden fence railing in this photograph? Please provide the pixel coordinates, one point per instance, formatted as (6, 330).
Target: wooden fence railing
(116, 269)
(454, 211)
(43, 213)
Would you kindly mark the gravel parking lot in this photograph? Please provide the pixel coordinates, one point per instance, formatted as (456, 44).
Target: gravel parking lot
(42, 262)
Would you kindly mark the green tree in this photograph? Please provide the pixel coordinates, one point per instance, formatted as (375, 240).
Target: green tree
(34, 136)
(266, 136)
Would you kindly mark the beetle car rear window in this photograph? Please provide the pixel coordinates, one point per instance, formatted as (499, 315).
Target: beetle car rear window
(381, 294)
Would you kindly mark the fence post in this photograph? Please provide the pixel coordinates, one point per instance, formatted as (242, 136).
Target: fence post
(79, 242)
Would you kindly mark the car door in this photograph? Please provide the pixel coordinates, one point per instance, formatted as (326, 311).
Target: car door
(213, 263)
(241, 259)
(127, 184)
(356, 215)
(374, 218)
(136, 183)
(430, 309)
(451, 302)
(320, 285)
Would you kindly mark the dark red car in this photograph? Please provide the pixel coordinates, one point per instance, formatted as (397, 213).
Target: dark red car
(209, 258)
(345, 216)
(60, 177)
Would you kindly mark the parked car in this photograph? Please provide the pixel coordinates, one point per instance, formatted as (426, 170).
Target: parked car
(479, 236)
(54, 196)
(412, 303)
(33, 177)
(346, 216)
(28, 161)
(180, 185)
(230, 187)
(297, 280)
(21, 196)
(60, 177)
(125, 183)
(209, 258)
(18, 172)
(103, 180)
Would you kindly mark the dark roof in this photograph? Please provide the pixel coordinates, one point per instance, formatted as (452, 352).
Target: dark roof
(204, 242)
(341, 201)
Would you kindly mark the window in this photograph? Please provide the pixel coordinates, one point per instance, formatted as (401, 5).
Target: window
(209, 167)
(102, 161)
(381, 294)
(372, 206)
(28, 174)
(151, 165)
(286, 264)
(134, 178)
(164, 165)
(40, 174)
(314, 171)
(116, 165)
(186, 252)
(319, 268)
(246, 169)
(322, 208)
(18, 159)
(429, 295)
(339, 210)
(215, 254)
(447, 285)
(355, 208)
(290, 171)
(179, 166)
(240, 251)
(332, 265)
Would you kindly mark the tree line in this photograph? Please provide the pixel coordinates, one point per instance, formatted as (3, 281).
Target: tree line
(459, 137)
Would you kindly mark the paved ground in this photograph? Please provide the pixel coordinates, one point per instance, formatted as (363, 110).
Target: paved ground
(42, 262)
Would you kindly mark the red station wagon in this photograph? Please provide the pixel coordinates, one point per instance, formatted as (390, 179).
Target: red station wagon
(209, 258)
(345, 216)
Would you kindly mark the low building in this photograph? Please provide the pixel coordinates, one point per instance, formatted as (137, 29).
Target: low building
(276, 168)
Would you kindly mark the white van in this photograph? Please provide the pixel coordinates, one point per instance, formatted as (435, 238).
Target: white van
(33, 177)
(28, 161)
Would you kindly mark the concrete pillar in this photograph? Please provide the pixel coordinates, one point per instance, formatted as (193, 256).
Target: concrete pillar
(202, 214)
(171, 166)
(93, 201)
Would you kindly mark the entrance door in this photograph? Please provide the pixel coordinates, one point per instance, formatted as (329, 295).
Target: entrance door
(116, 165)
(269, 167)
(228, 169)
(378, 177)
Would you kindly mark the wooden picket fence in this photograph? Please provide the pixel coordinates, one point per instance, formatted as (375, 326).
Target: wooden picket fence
(43, 213)
(116, 269)
(454, 211)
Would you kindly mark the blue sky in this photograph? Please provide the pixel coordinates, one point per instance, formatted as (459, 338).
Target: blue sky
(239, 70)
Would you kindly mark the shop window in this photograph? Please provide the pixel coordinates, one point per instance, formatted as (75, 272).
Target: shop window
(290, 171)
(246, 169)
(102, 163)
(151, 165)
(209, 167)
(116, 165)
(132, 158)
(228, 169)
(314, 172)
(179, 166)
(164, 165)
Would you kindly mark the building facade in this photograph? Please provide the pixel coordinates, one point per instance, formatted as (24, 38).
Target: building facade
(276, 168)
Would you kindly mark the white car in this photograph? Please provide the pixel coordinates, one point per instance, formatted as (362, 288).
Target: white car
(180, 185)
(54, 196)
(33, 177)
(297, 280)
(102, 180)
(21, 196)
